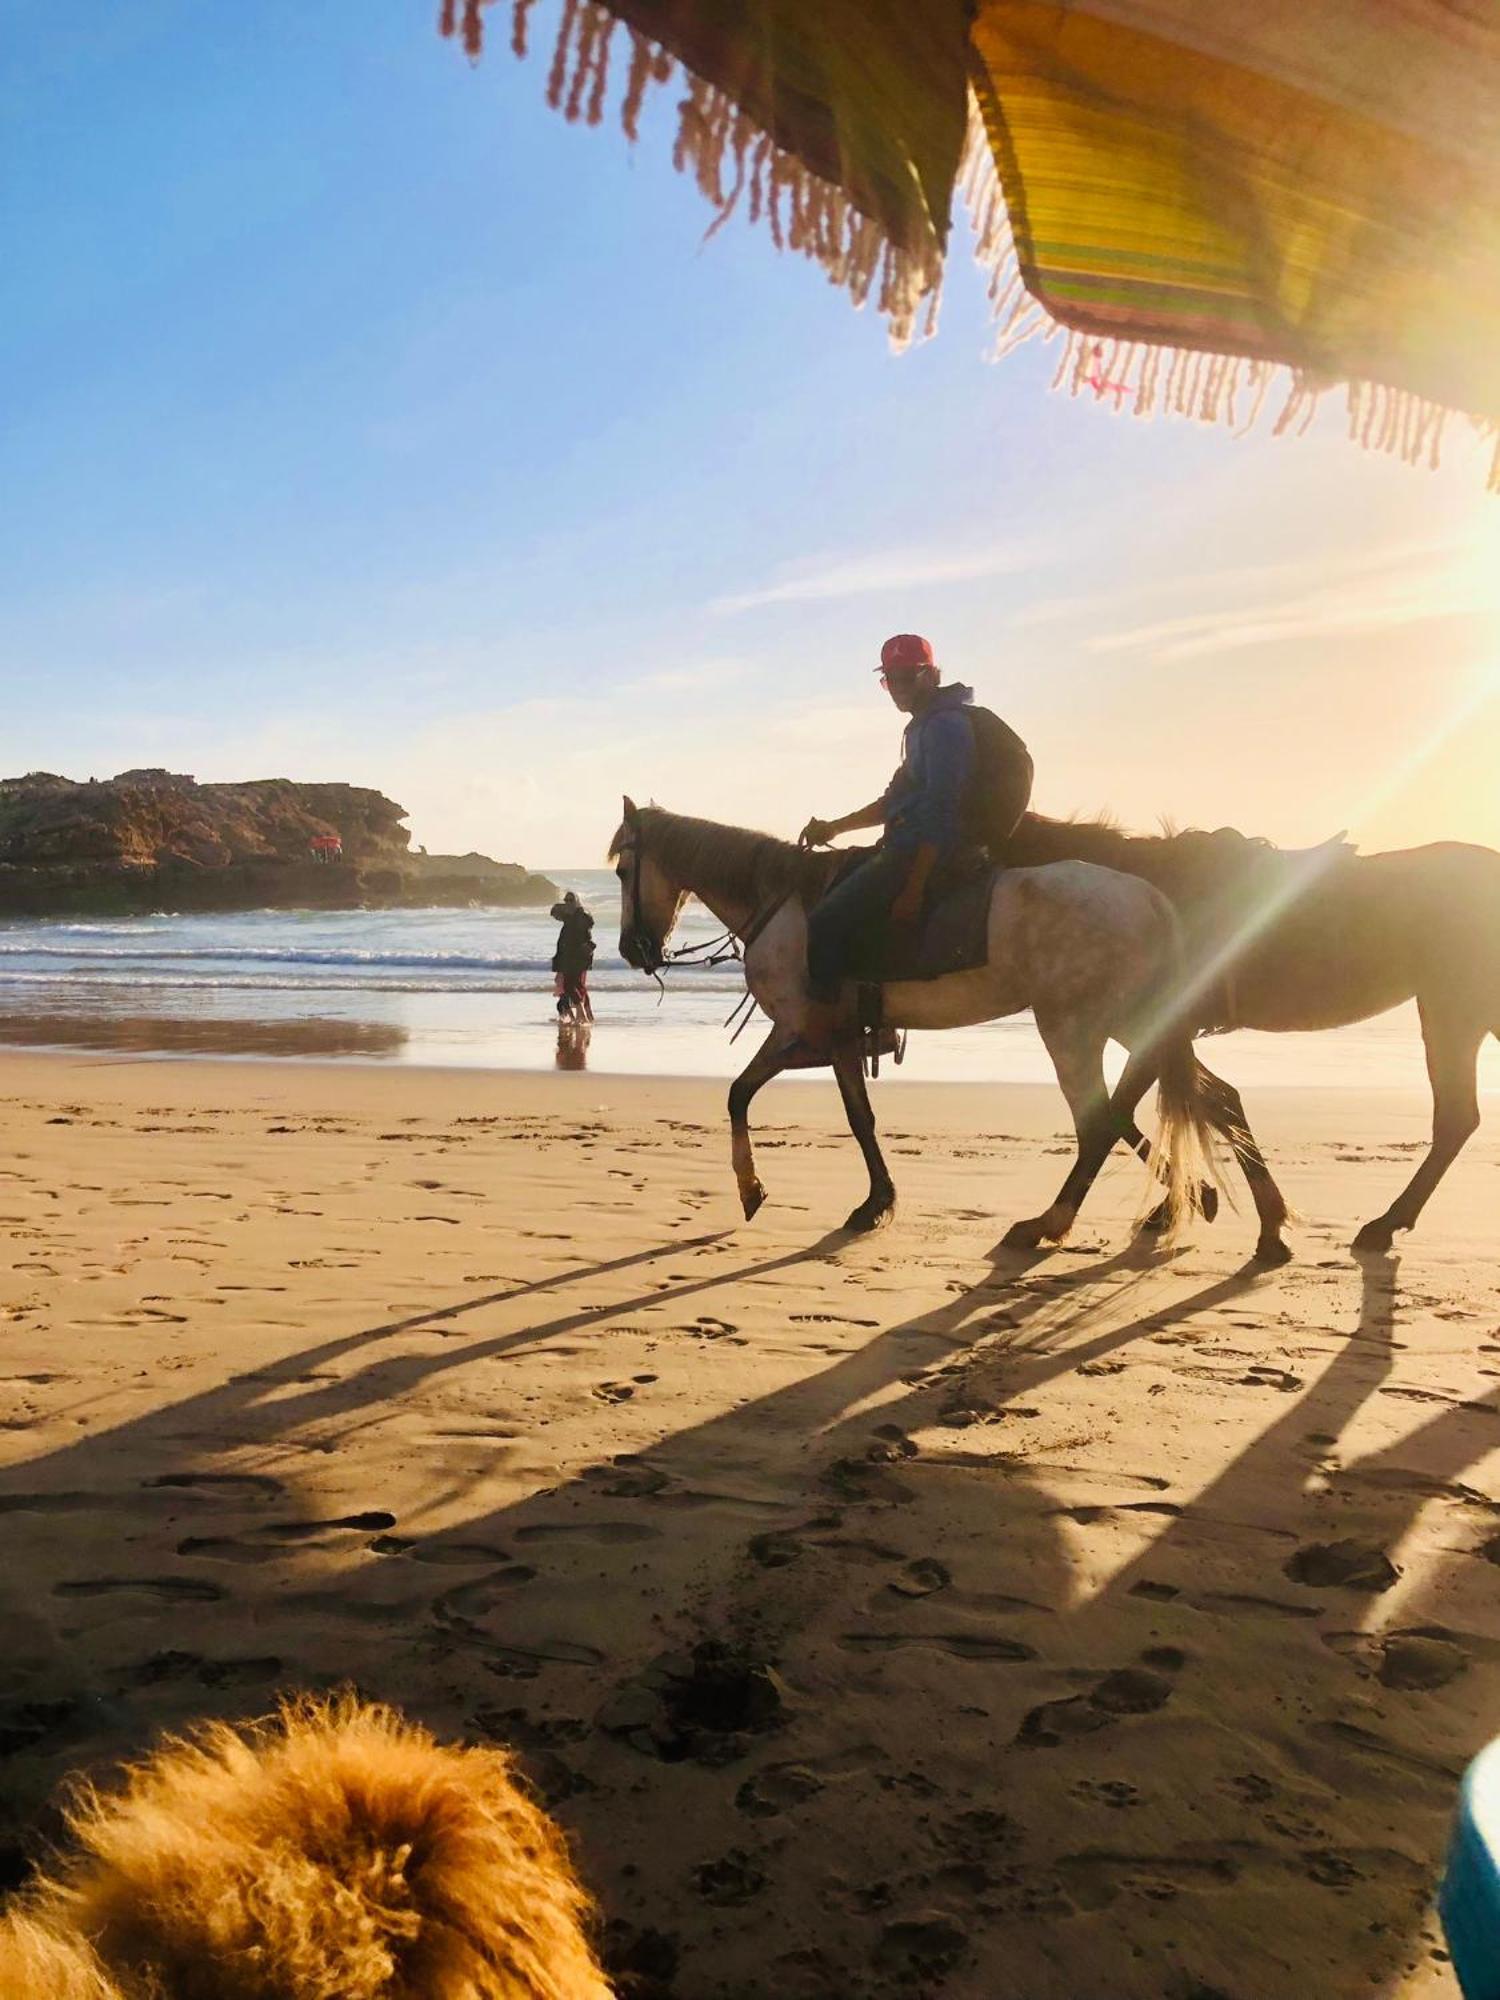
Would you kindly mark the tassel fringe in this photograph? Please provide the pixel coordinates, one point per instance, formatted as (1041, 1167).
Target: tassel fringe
(733, 162)
(1145, 378)
(736, 165)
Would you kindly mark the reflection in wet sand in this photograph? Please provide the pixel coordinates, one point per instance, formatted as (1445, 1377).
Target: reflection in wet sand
(168, 1034)
(573, 1044)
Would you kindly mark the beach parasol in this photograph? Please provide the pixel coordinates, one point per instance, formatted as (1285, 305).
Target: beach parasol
(1221, 207)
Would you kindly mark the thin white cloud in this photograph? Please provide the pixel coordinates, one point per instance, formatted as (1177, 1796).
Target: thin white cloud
(1406, 584)
(1296, 573)
(833, 577)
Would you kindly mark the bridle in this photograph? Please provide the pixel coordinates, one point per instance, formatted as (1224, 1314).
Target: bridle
(646, 947)
(720, 950)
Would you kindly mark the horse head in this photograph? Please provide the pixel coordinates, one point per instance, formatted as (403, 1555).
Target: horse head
(650, 901)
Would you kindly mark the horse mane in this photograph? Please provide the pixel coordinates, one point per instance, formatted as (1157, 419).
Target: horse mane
(1189, 864)
(732, 861)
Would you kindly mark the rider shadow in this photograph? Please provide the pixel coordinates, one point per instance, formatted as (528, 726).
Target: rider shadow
(801, 1525)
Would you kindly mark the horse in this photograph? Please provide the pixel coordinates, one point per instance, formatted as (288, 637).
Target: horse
(1095, 955)
(1320, 939)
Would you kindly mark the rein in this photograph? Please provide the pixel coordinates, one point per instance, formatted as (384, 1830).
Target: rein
(727, 948)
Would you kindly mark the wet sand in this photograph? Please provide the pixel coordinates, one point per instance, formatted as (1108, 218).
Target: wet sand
(881, 1616)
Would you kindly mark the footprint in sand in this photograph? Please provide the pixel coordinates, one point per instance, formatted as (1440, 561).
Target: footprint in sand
(1263, 1377)
(1127, 1691)
(891, 1445)
(921, 1951)
(613, 1392)
(442, 1555)
(958, 1645)
(55, 1503)
(1112, 1792)
(706, 1327)
(1094, 1880)
(627, 1477)
(473, 1600)
(1234, 1602)
(921, 1578)
(776, 1789)
(1342, 1565)
(730, 1881)
(779, 1551)
(170, 1589)
(265, 1544)
(222, 1485)
(1416, 1661)
(1442, 1774)
(861, 1480)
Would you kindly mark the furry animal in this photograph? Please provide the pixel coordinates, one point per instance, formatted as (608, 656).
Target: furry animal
(336, 1852)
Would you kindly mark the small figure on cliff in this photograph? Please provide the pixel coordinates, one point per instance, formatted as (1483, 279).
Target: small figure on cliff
(573, 958)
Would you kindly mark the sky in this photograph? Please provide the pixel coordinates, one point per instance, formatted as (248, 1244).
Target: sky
(363, 420)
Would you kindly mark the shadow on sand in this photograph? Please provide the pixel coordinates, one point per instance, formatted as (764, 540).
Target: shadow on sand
(1055, 1721)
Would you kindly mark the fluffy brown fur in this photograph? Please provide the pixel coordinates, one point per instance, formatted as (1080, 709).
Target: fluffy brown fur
(335, 1853)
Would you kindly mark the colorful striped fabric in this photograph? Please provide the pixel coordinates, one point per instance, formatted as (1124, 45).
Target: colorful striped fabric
(1201, 193)
(1315, 185)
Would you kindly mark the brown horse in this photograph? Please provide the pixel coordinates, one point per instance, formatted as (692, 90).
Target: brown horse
(1319, 939)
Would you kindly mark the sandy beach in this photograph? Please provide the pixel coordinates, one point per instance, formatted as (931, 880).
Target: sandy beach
(889, 1615)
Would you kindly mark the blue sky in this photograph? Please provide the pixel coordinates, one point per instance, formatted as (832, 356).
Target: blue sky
(363, 420)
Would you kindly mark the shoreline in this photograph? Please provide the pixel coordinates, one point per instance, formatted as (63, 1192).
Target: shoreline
(1404, 1096)
(1376, 1103)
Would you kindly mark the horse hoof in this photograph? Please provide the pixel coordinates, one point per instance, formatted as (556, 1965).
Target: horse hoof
(870, 1215)
(1024, 1235)
(752, 1200)
(1155, 1224)
(1208, 1202)
(1377, 1236)
(1271, 1251)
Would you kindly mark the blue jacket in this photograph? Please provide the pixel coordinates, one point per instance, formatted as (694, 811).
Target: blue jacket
(924, 802)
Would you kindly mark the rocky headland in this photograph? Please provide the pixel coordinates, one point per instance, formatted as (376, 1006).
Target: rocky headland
(157, 840)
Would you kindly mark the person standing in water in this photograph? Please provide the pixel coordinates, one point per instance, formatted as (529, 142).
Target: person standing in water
(573, 958)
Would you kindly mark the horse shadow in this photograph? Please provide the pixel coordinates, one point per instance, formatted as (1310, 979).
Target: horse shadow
(1028, 1700)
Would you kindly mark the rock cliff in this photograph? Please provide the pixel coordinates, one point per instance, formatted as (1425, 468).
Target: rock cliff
(157, 840)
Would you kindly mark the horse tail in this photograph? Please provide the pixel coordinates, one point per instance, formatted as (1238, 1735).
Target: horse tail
(1184, 1154)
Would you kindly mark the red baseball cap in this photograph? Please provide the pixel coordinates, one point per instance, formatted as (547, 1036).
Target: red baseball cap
(906, 653)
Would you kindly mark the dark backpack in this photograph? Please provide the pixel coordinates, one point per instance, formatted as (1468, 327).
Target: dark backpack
(1000, 789)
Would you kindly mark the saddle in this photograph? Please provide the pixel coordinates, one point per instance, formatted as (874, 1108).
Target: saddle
(953, 935)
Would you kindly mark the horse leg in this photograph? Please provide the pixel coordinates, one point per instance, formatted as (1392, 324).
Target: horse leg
(768, 1059)
(1226, 1113)
(879, 1204)
(1077, 1052)
(1452, 1055)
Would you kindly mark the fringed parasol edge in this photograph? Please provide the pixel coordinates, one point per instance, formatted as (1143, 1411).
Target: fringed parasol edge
(803, 212)
(1212, 388)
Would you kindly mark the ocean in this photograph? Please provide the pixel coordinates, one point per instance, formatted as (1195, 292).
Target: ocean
(473, 989)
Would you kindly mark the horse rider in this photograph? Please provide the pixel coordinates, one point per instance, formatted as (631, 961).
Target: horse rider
(963, 784)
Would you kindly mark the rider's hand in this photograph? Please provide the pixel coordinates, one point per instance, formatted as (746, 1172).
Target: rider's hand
(817, 833)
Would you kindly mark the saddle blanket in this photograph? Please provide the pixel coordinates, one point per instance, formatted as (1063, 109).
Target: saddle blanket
(952, 937)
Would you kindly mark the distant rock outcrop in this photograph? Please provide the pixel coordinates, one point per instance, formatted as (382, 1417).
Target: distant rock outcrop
(157, 840)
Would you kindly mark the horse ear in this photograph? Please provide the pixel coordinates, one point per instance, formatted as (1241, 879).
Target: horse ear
(630, 808)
